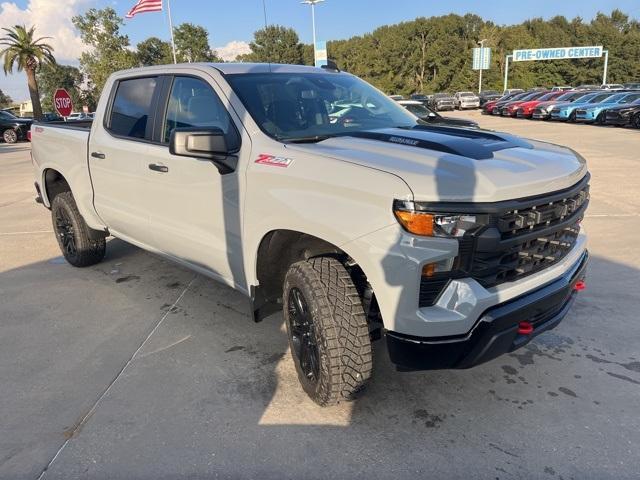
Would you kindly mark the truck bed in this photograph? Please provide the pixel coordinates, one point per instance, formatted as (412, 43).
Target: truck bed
(63, 146)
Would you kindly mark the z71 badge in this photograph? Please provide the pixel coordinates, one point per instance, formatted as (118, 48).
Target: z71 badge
(266, 159)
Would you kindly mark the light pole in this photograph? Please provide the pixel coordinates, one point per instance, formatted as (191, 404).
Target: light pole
(313, 21)
(481, 43)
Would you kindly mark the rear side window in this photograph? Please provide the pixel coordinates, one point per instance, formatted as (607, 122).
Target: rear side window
(131, 109)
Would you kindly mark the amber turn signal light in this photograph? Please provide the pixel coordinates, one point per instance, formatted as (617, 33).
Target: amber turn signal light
(416, 223)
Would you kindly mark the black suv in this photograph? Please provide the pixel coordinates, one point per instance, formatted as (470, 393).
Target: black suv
(13, 128)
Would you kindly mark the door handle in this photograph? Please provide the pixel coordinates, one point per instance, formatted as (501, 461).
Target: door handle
(98, 155)
(158, 168)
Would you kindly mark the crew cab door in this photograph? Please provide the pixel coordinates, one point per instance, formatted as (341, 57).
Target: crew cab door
(194, 209)
(118, 151)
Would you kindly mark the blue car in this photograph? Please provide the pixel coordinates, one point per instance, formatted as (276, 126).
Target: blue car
(568, 112)
(597, 112)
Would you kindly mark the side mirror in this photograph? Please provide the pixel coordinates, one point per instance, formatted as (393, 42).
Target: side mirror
(432, 115)
(205, 143)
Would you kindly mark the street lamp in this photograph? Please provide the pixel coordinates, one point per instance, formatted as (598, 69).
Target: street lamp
(481, 43)
(313, 20)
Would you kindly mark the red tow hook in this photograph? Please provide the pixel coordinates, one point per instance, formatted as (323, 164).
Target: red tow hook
(525, 328)
(580, 285)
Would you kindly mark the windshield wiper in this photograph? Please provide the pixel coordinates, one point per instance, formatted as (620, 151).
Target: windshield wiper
(309, 139)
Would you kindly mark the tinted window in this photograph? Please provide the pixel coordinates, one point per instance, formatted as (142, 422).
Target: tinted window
(6, 116)
(193, 103)
(294, 106)
(630, 98)
(132, 107)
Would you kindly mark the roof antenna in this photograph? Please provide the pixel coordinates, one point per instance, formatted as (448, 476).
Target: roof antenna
(264, 10)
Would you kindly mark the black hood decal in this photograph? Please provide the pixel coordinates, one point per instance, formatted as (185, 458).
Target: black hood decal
(470, 143)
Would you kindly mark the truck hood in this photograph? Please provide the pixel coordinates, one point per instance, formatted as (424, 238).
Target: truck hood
(457, 164)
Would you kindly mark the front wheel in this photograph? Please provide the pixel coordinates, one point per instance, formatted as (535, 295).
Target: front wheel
(572, 117)
(635, 121)
(10, 136)
(327, 329)
(600, 119)
(80, 245)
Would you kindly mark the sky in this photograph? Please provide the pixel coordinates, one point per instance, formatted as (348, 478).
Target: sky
(231, 23)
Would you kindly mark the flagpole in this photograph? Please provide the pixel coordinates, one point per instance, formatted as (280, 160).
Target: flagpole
(173, 43)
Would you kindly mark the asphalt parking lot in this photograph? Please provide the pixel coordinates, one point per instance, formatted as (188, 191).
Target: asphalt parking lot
(139, 369)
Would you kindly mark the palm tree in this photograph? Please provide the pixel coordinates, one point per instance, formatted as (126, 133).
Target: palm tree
(26, 53)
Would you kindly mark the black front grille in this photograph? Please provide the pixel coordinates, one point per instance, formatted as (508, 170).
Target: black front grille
(519, 238)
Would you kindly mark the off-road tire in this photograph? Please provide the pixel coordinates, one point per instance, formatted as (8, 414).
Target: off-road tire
(339, 328)
(10, 136)
(89, 246)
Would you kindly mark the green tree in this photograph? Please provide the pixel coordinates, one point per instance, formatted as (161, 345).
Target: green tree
(5, 100)
(192, 44)
(52, 77)
(154, 51)
(25, 52)
(275, 44)
(109, 52)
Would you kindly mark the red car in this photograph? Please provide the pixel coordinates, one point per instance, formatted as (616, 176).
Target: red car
(525, 109)
(488, 107)
(510, 109)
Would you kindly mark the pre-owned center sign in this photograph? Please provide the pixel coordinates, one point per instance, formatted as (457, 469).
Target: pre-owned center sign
(561, 53)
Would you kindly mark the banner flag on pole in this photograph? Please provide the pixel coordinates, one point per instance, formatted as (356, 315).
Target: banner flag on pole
(144, 6)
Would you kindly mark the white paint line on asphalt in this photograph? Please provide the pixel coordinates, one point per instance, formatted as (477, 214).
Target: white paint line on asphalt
(35, 232)
(166, 347)
(122, 370)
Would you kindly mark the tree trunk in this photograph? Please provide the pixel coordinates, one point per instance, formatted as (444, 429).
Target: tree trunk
(33, 93)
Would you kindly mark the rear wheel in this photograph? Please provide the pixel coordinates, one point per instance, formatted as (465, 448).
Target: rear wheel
(327, 329)
(10, 136)
(635, 121)
(80, 245)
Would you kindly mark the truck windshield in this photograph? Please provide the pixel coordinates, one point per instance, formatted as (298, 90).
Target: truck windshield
(314, 106)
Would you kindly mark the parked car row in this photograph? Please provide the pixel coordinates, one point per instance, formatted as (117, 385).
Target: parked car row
(602, 106)
(425, 114)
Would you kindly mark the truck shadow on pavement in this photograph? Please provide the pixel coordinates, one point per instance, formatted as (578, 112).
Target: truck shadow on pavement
(211, 393)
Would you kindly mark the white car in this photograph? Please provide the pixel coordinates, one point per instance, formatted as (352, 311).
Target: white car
(465, 100)
(455, 245)
(612, 86)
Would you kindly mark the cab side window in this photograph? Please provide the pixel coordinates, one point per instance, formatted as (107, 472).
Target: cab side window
(131, 109)
(194, 104)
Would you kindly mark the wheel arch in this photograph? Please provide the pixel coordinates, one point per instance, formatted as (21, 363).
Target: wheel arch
(280, 248)
(53, 183)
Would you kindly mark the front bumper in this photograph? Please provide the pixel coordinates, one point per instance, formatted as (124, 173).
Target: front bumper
(617, 120)
(563, 116)
(539, 115)
(496, 331)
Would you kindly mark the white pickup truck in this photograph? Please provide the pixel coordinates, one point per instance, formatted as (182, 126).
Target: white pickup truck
(313, 193)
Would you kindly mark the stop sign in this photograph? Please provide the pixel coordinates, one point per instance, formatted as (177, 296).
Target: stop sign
(62, 102)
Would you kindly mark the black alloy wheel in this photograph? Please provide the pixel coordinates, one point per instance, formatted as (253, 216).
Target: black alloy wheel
(65, 231)
(80, 245)
(635, 121)
(303, 336)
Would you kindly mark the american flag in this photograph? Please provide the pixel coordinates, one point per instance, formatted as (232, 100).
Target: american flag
(145, 6)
